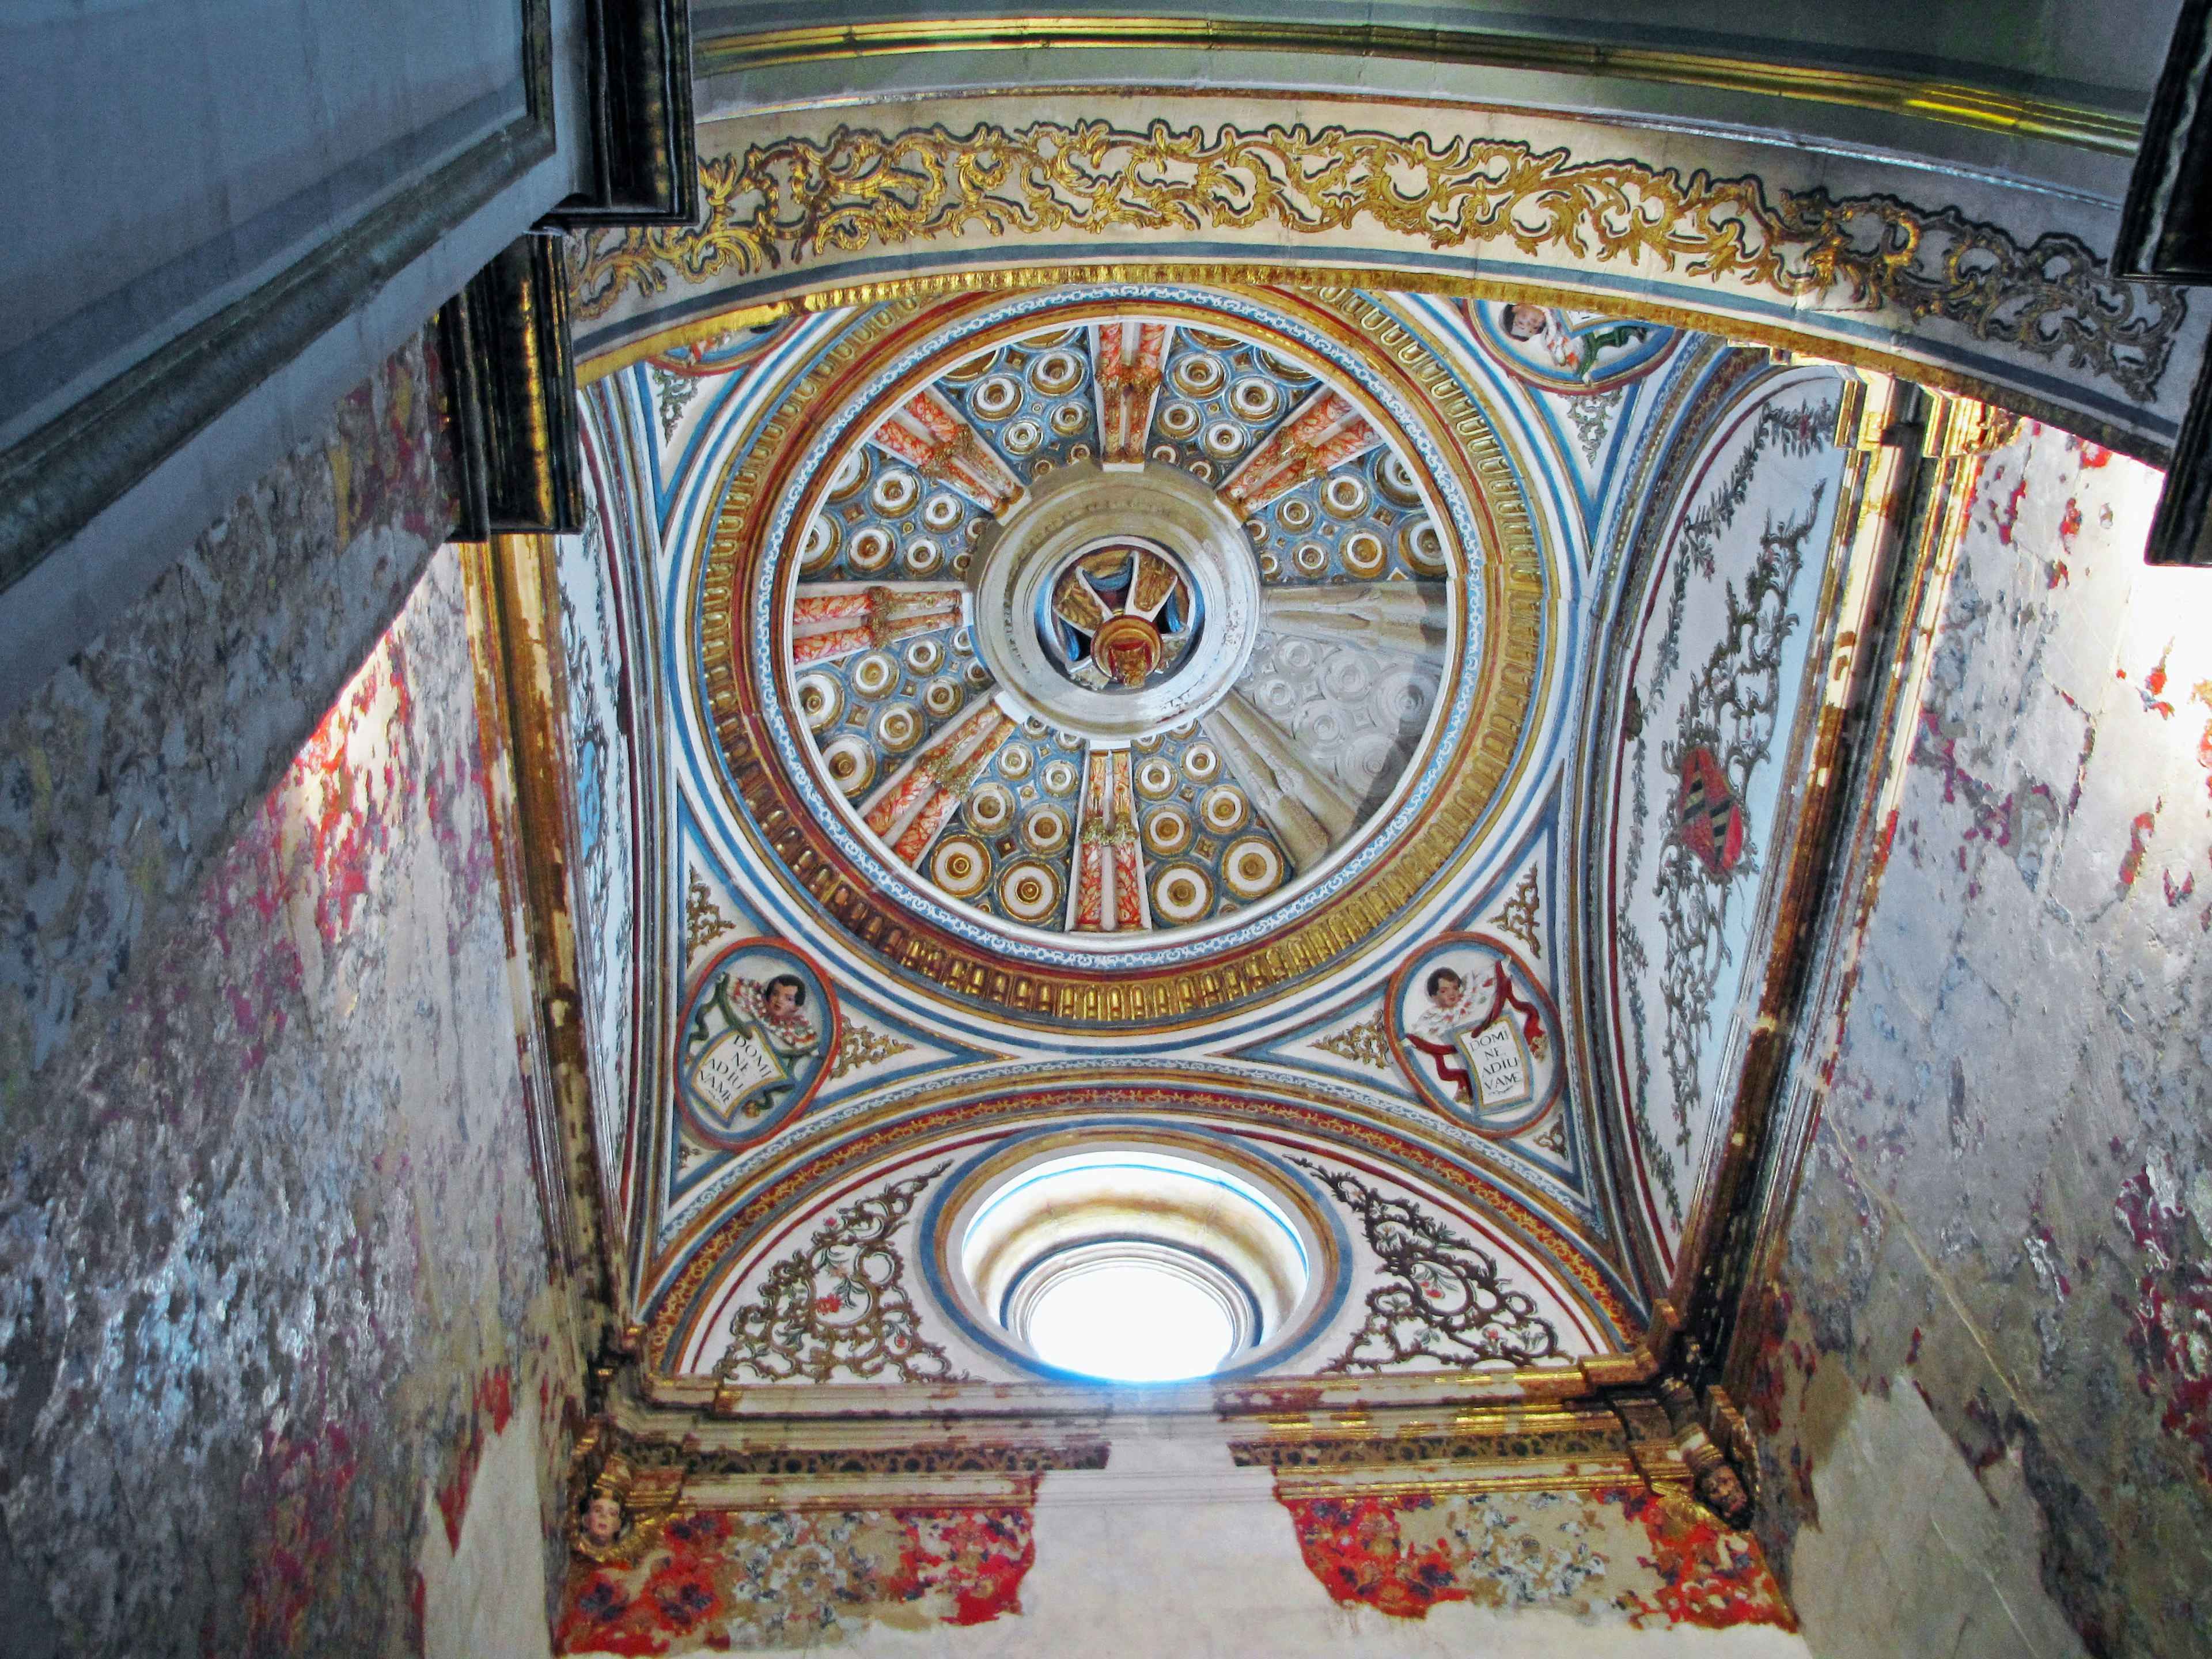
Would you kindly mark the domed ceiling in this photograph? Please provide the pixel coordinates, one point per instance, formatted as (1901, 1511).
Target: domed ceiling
(1086, 638)
(1024, 638)
(1148, 726)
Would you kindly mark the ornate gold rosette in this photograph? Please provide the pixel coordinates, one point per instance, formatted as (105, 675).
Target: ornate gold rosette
(1083, 652)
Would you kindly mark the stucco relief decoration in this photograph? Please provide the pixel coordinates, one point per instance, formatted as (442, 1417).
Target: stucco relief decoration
(841, 1305)
(756, 1043)
(1441, 1299)
(1697, 755)
(1476, 1031)
(782, 204)
(1580, 352)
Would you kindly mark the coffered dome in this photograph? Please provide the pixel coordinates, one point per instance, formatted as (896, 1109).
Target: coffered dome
(1109, 630)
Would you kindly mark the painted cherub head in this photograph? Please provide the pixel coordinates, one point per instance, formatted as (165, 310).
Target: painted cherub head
(1445, 987)
(785, 995)
(603, 1519)
(1525, 322)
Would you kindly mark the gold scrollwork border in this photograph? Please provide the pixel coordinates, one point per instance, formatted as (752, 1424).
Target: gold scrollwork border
(776, 206)
(1512, 666)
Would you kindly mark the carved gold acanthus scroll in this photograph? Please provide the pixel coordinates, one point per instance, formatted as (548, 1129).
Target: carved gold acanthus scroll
(780, 204)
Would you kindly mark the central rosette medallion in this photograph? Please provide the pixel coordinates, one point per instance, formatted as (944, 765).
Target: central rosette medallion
(1120, 614)
(1115, 601)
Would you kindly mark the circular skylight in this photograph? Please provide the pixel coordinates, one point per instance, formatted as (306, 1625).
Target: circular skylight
(1130, 1320)
(1133, 1265)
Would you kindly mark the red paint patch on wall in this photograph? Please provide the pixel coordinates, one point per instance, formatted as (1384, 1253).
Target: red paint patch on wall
(721, 1580)
(1697, 1572)
(493, 1399)
(1710, 1576)
(2006, 519)
(299, 1485)
(2170, 1311)
(2139, 835)
(1353, 1546)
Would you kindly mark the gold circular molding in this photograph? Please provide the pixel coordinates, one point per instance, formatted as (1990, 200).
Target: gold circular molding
(1498, 596)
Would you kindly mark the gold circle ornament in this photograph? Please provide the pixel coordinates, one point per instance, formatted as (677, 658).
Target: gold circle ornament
(1167, 831)
(1251, 868)
(1029, 891)
(1182, 893)
(961, 865)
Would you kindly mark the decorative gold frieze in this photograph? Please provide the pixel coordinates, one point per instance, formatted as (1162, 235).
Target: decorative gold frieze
(776, 206)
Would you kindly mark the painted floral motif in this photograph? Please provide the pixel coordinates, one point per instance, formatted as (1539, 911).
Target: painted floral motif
(786, 1579)
(841, 1304)
(1617, 1554)
(1441, 1299)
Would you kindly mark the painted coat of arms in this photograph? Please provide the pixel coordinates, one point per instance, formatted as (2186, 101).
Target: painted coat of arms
(755, 1037)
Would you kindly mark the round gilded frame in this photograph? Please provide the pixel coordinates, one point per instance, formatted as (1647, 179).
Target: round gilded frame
(1593, 332)
(957, 1197)
(731, 1047)
(1462, 1065)
(775, 481)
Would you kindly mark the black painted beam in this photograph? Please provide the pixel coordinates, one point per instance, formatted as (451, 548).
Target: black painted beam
(644, 149)
(511, 394)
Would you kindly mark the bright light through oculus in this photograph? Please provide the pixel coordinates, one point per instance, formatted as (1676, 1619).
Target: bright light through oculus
(1130, 1321)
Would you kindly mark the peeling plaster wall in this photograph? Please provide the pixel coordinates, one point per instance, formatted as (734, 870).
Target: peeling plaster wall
(272, 1275)
(1986, 1385)
(1171, 1551)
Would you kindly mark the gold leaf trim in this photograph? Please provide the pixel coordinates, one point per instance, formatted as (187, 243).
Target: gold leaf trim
(778, 205)
(858, 1046)
(1518, 916)
(1363, 1044)
(703, 920)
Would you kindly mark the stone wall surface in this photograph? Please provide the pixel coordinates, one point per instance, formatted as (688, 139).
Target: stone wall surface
(137, 765)
(1986, 1387)
(273, 1277)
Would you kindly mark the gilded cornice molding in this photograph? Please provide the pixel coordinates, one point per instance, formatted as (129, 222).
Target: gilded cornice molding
(1950, 102)
(778, 206)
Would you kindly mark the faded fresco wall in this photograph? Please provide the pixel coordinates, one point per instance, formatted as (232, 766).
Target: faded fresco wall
(1172, 1549)
(1986, 1391)
(272, 1283)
